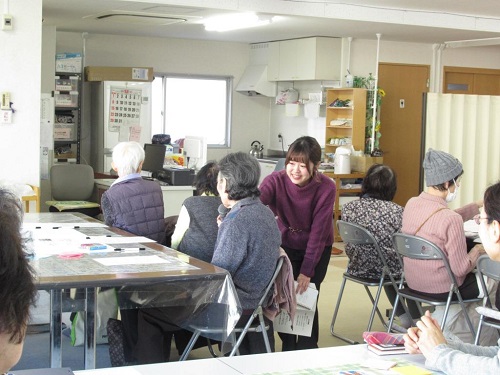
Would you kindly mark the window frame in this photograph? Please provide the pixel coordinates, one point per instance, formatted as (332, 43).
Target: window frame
(229, 100)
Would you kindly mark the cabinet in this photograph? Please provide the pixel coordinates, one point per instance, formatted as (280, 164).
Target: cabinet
(345, 124)
(344, 190)
(67, 116)
(305, 59)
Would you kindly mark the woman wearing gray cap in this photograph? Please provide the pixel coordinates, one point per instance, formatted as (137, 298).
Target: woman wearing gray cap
(428, 216)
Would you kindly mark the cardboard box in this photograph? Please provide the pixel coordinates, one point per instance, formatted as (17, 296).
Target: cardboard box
(363, 163)
(69, 62)
(114, 73)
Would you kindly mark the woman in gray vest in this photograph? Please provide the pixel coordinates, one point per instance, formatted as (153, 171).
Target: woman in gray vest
(196, 229)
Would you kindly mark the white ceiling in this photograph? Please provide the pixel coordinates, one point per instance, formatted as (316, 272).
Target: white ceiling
(424, 21)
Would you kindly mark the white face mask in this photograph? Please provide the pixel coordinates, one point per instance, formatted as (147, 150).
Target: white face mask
(450, 197)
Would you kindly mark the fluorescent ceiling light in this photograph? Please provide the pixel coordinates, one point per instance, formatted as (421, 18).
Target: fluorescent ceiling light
(234, 22)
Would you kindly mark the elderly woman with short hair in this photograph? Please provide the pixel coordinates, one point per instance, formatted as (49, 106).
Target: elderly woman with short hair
(249, 239)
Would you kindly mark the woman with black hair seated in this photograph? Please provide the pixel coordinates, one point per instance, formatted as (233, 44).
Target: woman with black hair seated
(376, 212)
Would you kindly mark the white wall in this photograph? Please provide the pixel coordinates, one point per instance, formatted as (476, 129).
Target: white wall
(256, 118)
(250, 115)
(20, 73)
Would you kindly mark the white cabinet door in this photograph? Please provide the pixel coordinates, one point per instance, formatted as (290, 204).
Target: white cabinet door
(305, 59)
(306, 54)
(273, 65)
(288, 60)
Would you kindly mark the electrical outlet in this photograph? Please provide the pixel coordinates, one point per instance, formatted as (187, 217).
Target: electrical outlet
(6, 22)
(280, 138)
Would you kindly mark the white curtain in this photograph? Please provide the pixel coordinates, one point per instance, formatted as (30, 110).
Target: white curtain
(468, 127)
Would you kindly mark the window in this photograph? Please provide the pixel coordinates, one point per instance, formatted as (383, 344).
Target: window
(192, 105)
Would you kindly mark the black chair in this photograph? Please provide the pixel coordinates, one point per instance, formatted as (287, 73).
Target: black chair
(257, 313)
(489, 316)
(358, 235)
(419, 248)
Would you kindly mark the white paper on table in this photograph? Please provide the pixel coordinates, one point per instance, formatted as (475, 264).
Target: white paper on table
(119, 239)
(123, 371)
(471, 226)
(59, 234)
(148, 259)
(44, 226)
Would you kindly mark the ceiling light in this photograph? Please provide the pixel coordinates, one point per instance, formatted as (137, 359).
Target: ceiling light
(234, 22)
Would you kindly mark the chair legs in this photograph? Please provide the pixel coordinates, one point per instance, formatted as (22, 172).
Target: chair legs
(375, 309)
(242, 333)
(190, 345)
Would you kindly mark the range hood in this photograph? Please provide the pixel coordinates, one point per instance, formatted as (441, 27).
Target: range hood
(254, 82)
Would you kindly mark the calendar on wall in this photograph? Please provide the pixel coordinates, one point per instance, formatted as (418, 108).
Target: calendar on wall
(124, 109)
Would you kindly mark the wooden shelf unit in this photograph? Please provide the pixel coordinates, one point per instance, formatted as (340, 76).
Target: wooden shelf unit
(338, 178)
(354, 114)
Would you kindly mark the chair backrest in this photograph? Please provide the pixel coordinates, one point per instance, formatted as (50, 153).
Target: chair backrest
(488, 267)
(419, 248)
(277, 270)
(71, 182)
(358, 235)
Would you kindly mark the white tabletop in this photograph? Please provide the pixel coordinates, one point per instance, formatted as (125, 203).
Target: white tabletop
(191, 367)
(312, 358)
(279, 362)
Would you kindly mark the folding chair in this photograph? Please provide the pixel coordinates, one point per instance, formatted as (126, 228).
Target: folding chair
(419, 248)
(489, 316)
(358, 235)
(258, 312)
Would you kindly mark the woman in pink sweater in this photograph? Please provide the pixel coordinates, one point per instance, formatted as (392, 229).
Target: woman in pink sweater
(428, 216)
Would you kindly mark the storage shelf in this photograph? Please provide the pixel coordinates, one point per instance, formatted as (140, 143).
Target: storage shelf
(337, 211)
(71, 112)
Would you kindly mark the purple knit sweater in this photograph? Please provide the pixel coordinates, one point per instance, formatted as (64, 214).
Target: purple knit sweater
(305, 214)
(445, 229)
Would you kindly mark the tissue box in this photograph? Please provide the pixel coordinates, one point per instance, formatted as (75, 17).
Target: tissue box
(362, 163)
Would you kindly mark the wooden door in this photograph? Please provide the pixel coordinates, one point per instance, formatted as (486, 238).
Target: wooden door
(476, 81)
(401, 124)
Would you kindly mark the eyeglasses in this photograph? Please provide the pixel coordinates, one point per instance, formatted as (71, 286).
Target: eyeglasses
(477, 218)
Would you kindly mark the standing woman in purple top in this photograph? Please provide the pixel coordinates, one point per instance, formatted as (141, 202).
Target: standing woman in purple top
(302, 200)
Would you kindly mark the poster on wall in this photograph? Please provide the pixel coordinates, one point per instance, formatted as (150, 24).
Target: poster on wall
(124, 109)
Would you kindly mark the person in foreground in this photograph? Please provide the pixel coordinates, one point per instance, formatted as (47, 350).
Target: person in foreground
(17, 288)
(302, 200)
(453, 356)
(248, 241)
(376, 212)
(132, 203)
(196, 229)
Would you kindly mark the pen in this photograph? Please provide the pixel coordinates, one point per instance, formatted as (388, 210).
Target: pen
(130, 249)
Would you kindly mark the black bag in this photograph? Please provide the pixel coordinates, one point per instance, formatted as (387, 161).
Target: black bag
(116, 342)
